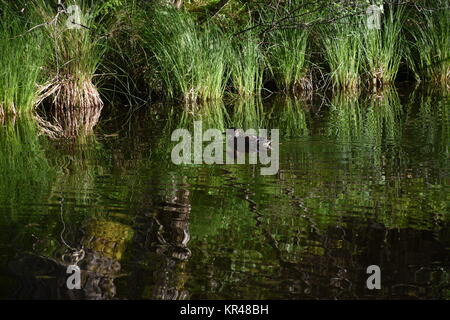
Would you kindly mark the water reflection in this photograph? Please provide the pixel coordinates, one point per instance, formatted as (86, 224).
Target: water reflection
(161, 242)
(291, 115)
(363, 180)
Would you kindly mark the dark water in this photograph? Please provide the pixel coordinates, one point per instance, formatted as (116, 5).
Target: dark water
(362, 181)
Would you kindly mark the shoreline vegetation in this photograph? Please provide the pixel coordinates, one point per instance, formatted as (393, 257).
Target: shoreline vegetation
(197, 52)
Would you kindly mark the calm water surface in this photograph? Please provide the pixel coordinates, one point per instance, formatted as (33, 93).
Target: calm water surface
(362, 181)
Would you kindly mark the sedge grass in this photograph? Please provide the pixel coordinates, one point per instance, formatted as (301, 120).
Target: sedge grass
(288, 60)
(287, 47)
(70, 94)
(189, 59)
(342, 47)
(20, 62)
(247, 64)
(383, 48)
(429, 56)
(126, 62)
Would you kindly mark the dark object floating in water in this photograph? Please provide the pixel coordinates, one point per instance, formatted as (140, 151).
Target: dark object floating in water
(252, 143)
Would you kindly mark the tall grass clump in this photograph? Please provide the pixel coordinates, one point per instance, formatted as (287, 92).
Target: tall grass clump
(70, 96)
(383, 48)
(189, 59)
(288, 60)
(342, 48)
(287, 51)
(21, 56)
(247, 64)
(430, 46)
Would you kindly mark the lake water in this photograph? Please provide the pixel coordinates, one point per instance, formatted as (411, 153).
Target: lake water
(362, 181)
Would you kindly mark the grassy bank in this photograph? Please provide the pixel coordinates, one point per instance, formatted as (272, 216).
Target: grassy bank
(201, 53)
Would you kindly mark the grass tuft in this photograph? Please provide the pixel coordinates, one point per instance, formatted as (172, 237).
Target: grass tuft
(429, 56)
(189, 59)
(342, 46)
(20, 63)
(70, 95)
(383, 48)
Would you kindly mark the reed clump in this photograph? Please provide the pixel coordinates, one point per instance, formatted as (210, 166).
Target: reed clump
(69, 97)
(190, 60)
(289, 60)
(384, 48)
(21, 57)
(429, 55)
(155, 50)
(342, 45)
(247, 64)
(287, 49)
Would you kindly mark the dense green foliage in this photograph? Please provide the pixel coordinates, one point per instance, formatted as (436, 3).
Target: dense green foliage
(430, 46)
(206, 50)
(364, 168)
(21, 59)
